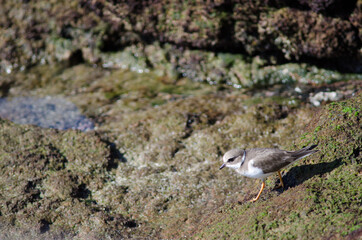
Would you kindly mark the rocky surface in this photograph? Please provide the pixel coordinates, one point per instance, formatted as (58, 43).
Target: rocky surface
(47, 181)
(320, 32)
(150, 169)
(322, 194)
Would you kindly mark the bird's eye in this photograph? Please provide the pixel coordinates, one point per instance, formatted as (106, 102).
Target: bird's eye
(231, 159)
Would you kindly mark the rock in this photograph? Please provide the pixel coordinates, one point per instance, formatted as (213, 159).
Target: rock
(45, 32)
(324, 97)
(323, 187)
(150, 168)
(48, 112)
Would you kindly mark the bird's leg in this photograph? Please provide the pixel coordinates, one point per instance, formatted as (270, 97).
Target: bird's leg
(281, 184)
(261, 189)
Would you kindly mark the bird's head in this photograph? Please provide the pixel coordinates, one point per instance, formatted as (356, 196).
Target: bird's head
(233, 158)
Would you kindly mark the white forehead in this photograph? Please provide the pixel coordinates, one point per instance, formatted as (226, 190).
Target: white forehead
(232, 154)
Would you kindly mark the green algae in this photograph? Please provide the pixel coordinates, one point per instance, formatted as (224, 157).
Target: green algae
(220, 68)
(172, 154)
(151, 167)
(164, 167)
(326, 203)
(107, 33)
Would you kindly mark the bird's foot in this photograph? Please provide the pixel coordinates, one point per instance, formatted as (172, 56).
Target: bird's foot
(281, 185)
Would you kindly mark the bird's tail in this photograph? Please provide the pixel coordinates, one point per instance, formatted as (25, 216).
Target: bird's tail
(306, 151)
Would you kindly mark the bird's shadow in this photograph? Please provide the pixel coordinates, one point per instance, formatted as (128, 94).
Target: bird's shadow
(299, 174)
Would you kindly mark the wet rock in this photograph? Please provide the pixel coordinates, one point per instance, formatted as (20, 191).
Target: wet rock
(48, 112)
(324, 97)
(219, 68)
(150, 169)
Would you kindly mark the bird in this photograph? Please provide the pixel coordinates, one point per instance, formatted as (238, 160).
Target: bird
(263, 162)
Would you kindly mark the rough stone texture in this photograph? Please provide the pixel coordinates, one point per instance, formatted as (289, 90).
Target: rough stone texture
(323, 193)
(150, 169)
(298, 33)
(46, 31)
(47, 180)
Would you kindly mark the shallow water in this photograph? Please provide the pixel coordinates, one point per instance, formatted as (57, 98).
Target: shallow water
(47, 112)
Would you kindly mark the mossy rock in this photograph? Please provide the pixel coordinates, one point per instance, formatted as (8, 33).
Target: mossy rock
(151, 168)
(322, 198)
(47, 181)
(47, 32)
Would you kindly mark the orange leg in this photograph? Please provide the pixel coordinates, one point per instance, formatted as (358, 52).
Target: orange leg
(281, 184)
(261, 189)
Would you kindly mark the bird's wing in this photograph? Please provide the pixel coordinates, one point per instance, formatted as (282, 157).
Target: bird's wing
(271, 160)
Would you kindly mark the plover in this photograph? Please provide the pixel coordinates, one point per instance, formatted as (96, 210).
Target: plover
(262, 162)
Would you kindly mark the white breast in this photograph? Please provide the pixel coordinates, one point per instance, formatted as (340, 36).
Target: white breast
(253, 172)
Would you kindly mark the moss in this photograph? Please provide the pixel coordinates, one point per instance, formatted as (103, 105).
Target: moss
(49, 177)
(104, 31)
(338, 133)
(160, 171)
(151, 167)
(306, 33)
(324, 203)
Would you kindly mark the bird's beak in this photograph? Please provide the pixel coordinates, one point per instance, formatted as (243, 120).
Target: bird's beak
(222, 166)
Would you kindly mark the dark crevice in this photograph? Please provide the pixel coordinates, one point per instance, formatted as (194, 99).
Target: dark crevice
(81, 192)
(219, 152)
(44, 226)
(173, 153)
(115, 156)
(32, 191)
(5, 87)
(356, 152)
(191, 118)
(75, 58)
(131, 224)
